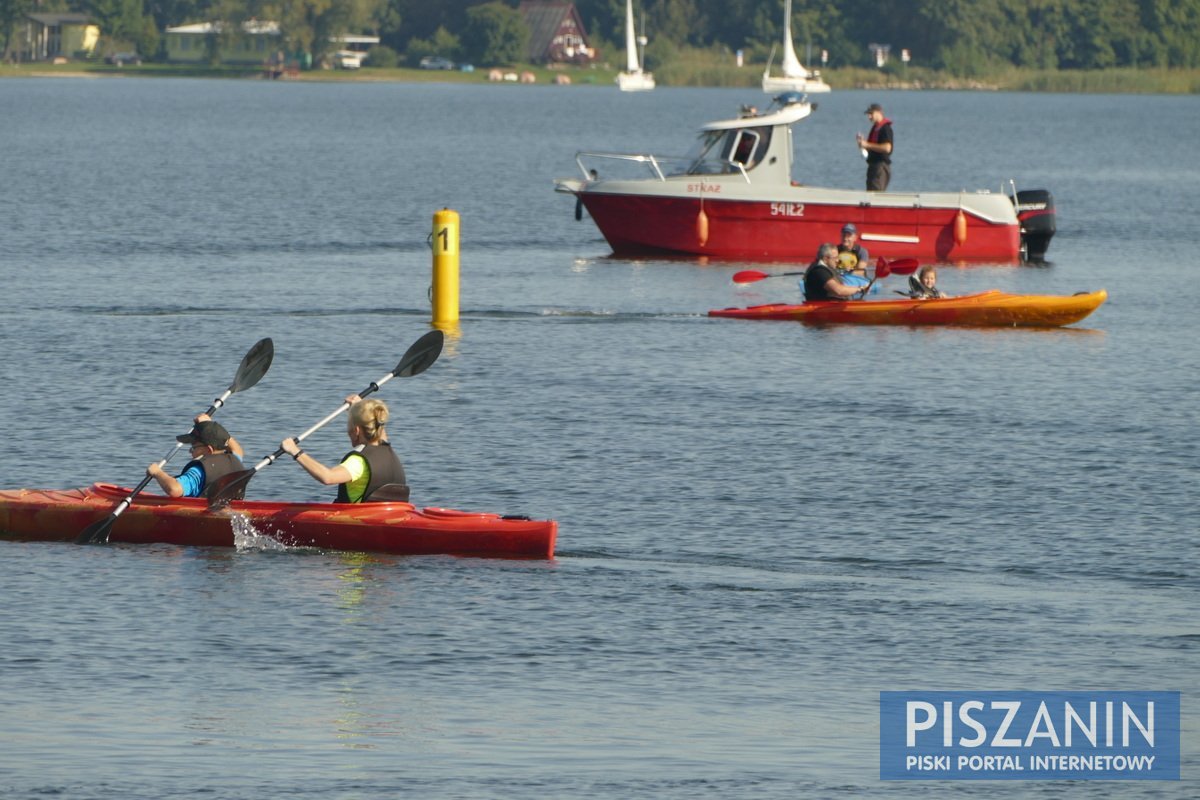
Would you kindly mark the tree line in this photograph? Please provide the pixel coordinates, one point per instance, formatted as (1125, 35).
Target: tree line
(964, 37)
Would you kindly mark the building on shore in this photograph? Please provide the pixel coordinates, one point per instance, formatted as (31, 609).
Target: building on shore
(556, 33)
(203, 42)
(45, 37)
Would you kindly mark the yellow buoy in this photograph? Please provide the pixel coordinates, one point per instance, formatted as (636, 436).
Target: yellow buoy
(702, 226)
(445, 267)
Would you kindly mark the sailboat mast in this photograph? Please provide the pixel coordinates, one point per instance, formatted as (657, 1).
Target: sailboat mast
(631, 56)
(791, 65)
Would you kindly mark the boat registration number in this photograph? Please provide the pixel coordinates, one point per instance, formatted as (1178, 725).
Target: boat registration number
(787, 209)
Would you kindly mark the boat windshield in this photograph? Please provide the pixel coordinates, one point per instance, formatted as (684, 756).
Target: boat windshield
(725, 152)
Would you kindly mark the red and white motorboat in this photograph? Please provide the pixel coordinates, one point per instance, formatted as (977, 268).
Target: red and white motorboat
(734, 197)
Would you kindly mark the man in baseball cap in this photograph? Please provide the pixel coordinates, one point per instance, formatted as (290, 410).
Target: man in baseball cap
(209, 433)
(852, 256)
(877, 147)
(214, 453)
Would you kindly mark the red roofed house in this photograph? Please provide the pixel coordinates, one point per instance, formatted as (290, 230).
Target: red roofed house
(556, 34)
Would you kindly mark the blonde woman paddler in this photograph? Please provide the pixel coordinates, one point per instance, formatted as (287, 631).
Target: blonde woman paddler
(367, 468)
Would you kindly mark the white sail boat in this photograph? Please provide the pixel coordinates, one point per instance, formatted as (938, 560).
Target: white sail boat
(795, 77)
(634, 79)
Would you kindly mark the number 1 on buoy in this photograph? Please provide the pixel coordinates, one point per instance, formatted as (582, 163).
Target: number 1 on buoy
(446, 240)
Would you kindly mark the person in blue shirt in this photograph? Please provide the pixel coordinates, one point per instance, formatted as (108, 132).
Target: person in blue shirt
(214, 453)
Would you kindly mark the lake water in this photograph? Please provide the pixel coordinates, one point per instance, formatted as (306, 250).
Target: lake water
(762, 526)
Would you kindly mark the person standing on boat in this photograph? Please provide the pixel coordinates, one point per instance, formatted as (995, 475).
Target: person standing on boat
(214, 453)
(821, 279)
(852, 256)
(370, 466)
(878, 146)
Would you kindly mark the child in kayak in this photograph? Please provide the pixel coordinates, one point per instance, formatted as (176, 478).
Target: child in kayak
(214, 453)
(852, 256)
(923, 285)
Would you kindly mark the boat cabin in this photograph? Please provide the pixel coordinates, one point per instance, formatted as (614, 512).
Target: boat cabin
(756, 146)
(752, 149)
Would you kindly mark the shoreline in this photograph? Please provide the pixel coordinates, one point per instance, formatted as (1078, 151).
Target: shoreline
(1114, 81)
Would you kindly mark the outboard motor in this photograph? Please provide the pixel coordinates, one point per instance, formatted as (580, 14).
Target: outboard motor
(1035, 212)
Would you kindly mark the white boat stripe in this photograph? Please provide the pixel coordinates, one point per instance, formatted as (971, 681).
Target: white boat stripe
(883, 237)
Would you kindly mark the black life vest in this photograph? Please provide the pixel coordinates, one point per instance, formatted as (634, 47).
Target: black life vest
(918, 291)
(216, 465)
(383, 467)
(874, 136)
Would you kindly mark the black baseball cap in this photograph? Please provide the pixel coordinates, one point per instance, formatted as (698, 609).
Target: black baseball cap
(873, 108)
(210, 433)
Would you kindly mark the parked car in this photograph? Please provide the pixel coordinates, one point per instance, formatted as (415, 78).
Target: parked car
(349, 59)
(124, 59)
(436, 62)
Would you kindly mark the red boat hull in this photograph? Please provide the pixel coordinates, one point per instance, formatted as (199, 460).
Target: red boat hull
(400, 528)
(743, 229)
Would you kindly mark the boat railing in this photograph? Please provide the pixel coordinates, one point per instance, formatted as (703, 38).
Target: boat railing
(654, 163)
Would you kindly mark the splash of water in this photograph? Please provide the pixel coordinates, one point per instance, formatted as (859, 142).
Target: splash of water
(247, 537)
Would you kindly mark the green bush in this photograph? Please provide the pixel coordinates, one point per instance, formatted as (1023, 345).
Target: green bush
(382, 56)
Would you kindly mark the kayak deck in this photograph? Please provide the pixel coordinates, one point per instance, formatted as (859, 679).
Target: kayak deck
(987, 309)
(400, 528)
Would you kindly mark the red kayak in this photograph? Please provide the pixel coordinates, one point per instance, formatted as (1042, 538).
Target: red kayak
(401, 528)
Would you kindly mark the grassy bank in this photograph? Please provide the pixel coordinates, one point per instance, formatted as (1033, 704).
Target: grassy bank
(693, 68)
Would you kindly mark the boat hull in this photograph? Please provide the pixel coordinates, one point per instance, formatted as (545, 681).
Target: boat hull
(789, 225)
(400, 528)
(774, 84)
(992, 309)
(635, 81)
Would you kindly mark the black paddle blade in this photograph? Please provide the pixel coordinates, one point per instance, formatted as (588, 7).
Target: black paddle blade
(97, 532)
(421, 355)
(229, 487)
(254, 365)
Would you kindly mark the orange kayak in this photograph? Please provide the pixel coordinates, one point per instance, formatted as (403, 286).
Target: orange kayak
(402, 528)
(988, 309)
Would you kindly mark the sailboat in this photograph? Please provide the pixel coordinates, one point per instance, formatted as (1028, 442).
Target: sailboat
(795, 77)
(633, 79)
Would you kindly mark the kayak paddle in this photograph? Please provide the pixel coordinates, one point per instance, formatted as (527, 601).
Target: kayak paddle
(753, 275)
(416, 360)
(254, 365)
(883, 268)
(901, 266)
